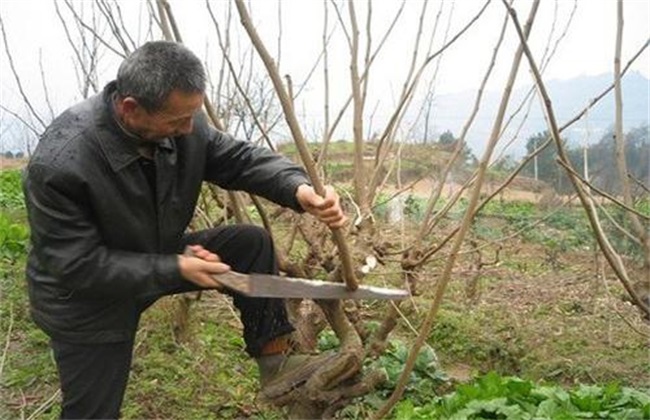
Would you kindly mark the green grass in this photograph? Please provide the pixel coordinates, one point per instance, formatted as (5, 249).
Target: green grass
(210, 376)
(11, 195)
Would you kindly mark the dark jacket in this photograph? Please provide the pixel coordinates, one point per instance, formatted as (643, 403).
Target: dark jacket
(100, 237)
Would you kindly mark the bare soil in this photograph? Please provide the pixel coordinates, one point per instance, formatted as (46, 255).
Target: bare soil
(568, 322)
(6, 164)
(424, 187)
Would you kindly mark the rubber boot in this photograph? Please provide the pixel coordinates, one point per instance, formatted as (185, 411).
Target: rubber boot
(291, 370)
(276, 365)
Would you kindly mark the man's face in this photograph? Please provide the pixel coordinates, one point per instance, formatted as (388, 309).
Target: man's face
(173, 119)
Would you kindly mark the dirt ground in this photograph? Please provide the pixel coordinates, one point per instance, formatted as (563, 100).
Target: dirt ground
(567, 323)
(424, 187)
(6, 163)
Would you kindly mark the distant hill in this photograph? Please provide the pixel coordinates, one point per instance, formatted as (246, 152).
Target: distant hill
(451, 111)
(568, 97)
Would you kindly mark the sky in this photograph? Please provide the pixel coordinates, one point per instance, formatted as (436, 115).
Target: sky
(35, 35)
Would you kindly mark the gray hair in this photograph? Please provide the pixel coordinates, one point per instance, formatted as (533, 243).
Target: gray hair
(157, 68)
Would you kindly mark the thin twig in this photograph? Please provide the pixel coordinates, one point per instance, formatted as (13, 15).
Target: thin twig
(620, 228)
(344, 107)
(427, 222)
(617, 312)
(21, 119)
(6, 348)
(23, 404)
(235, 78)
(601, 192)
(86, 70)
(629, 323)
(639, 183)
(408, 93)
(427, 254)
(94, 32)
(15, 74)
(299, 139)
(613, 258)
(45, 89)
(45, 405)
(468, 217)
(109, 18)
(121, 20)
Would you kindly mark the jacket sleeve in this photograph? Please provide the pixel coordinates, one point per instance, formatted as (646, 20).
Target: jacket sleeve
(67, 242)
(239, 165)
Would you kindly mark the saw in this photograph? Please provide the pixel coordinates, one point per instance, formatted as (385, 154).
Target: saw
(274, 286)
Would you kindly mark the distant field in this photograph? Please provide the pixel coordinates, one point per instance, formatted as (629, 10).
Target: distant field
(6, 163)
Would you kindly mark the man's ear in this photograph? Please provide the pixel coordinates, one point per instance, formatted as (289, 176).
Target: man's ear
(129, 105)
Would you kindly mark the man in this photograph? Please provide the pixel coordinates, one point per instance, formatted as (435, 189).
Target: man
(110, 191)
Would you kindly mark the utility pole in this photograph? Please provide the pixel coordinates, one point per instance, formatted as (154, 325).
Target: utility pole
(585, 148)
(535, 161)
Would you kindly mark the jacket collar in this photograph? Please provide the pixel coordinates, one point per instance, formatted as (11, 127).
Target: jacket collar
(119, 146)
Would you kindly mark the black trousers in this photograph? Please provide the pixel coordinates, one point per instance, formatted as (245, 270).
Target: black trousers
(94, 376)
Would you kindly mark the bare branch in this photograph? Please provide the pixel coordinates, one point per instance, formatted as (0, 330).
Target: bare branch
(594, 100)
(617, 225)
(639, 183)
(121, 22)
(610, 197)
(172, 21)
(88, 70)
(279, 40)
(299, 139)
(619, 137)
(326, 87)
(16, 77)
(409, 92)
(231, 68)
(435, 194)
(46, 91)
(22, 120)
(46, 404)
(357, 123)
(340, 19)
(544, 62)
(427, 254)
(8, 341)
(610, 254)
(109, 17)
(163, 22)
(93, 31)
(425, 329)
(337, 120)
